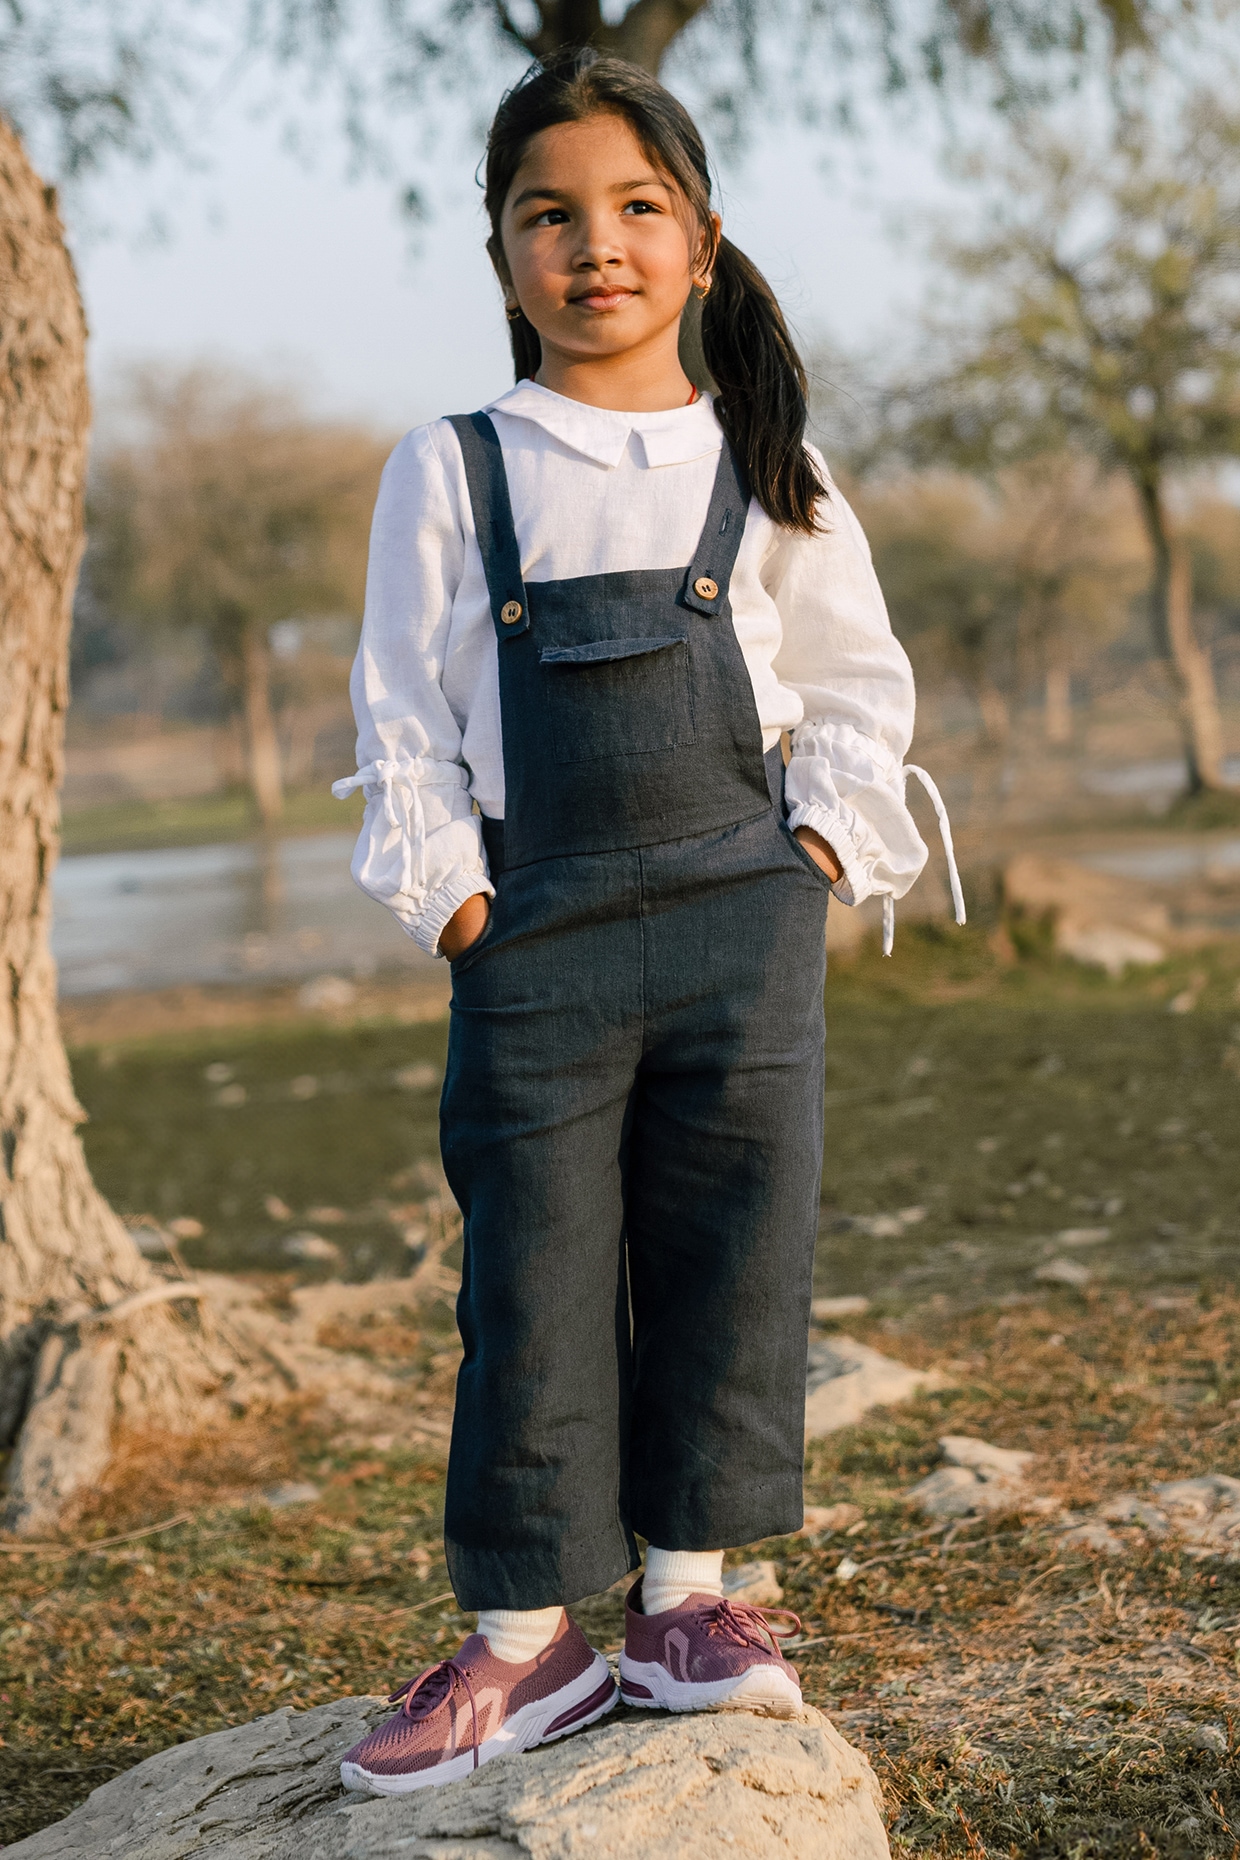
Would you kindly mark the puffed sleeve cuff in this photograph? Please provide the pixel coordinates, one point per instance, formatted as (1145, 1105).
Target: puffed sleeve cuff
(443, 905)
(849, 787)
(829, 823)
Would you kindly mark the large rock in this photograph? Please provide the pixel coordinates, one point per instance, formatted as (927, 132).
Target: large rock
(846, 1379)
(690, 1788)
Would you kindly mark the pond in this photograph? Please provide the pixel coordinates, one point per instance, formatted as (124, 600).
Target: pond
(250, 911)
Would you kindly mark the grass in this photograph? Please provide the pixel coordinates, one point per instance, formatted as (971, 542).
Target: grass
(200, 820)
(1016, 1696)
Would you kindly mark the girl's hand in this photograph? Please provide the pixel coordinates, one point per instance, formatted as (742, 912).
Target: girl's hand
(818, 850)
(463, 929)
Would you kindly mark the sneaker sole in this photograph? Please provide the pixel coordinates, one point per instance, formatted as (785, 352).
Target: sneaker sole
(584, 1701)
(763, 1689)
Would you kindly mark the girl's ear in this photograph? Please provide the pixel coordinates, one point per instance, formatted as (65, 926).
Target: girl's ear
(707, 252)
(499, 261)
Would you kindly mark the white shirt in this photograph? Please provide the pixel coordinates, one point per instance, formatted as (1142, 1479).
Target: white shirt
(594, 492)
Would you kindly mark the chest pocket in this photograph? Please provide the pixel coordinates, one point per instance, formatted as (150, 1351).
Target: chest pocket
(618, 697)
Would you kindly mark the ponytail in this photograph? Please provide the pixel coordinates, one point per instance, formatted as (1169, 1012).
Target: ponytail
(751, 357)
(762, 388)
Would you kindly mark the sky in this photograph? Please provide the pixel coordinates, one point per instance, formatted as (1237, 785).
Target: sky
(292, 271)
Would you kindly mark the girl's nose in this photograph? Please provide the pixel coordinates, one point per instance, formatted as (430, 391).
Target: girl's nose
(597, 246)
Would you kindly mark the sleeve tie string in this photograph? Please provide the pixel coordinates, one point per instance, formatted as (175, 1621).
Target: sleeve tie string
(411, 773)
(945, 832)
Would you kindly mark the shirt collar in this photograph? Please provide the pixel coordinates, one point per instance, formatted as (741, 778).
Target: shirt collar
(672, 437)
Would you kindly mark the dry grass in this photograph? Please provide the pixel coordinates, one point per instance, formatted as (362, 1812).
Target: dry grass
(1015, 1697)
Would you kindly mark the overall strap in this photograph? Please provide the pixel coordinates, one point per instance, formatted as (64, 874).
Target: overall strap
(706, 582)
(492, 508)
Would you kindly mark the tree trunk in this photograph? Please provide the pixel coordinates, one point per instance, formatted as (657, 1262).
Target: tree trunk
(262, 742)
(642, 36)
(1187, 663)
(1204, 724)
(996, 717)
(1058, 717)
(86, 1326)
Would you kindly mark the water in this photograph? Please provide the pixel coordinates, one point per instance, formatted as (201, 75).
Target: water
(243, 912)
(1177, 864)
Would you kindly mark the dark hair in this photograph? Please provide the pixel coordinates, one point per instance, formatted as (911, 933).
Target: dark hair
(748, 350)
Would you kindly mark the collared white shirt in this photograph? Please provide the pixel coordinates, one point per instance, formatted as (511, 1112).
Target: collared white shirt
(594, 491)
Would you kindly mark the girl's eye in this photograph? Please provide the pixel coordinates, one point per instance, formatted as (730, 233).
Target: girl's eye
(641, 206)
(554, 216)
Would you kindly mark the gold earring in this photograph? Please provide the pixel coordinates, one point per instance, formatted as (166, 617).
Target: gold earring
(704, 288)
(512, 312)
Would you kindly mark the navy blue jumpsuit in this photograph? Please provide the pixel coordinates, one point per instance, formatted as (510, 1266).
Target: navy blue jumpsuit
(632, 1112)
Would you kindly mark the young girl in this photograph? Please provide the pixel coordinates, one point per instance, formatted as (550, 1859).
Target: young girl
(592, 610)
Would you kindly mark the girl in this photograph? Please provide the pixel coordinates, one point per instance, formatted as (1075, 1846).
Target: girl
(592, 610)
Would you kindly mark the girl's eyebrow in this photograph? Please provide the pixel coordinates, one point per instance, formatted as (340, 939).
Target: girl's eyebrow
(563, 193)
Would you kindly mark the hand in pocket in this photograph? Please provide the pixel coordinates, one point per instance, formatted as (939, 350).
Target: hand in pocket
(820, 852)
(462, 930)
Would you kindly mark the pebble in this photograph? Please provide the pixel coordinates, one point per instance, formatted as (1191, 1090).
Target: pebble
(755, 1583)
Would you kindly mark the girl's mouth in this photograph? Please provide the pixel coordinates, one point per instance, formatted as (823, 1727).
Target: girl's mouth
(609, 299)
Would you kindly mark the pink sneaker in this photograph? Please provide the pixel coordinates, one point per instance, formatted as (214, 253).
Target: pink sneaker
(474, 1707)
(708, 1655)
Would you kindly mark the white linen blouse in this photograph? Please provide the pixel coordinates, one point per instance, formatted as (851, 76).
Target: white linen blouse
(593, 492)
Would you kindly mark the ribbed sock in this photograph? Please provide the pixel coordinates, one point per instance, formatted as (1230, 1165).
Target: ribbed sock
(672, 1576)
(518, 1634)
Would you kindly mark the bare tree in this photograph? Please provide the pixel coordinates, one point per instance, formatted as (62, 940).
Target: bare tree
(229, 509)
(990, 582)
(1109, 319)
(87, 1332)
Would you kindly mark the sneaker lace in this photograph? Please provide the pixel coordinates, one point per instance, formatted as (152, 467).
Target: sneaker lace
(427, 1691)
(749, 1626)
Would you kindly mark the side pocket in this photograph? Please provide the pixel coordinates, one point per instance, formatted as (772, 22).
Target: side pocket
(803, 856)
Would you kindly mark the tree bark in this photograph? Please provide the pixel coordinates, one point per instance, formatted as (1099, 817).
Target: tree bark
(1187, 663)
(65, 1369)
(262, 742)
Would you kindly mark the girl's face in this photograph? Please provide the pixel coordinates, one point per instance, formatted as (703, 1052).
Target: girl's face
(600, 247)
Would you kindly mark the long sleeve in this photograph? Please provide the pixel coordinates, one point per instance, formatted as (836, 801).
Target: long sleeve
(420, 848)
(852, 676)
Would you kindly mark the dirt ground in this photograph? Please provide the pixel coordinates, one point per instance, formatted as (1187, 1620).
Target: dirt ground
(1019, 1692)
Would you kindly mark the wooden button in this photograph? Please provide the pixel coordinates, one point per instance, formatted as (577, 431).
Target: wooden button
(705, 588)
(510, 612)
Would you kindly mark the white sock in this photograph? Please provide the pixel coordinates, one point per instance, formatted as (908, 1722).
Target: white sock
(518, 1634)
(672, 1576)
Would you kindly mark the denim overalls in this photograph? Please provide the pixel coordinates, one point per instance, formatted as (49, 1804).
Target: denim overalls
(632, 1112)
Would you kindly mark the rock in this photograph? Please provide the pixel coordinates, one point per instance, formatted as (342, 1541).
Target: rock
(326, 993)
(1211, 1737)
(290, 1492)
(1100, 920)
(695, 1786)
(979, 1477)
(1109, 947)
(755, 1583)
(846, 1379)
(1064, 1272)
(824, 1310)
(832, 1517)
(1082, 1236)
(1131, 1508)
(1094, 1536)
(992, 1462)
(310, 1246)
(1197, 1498)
